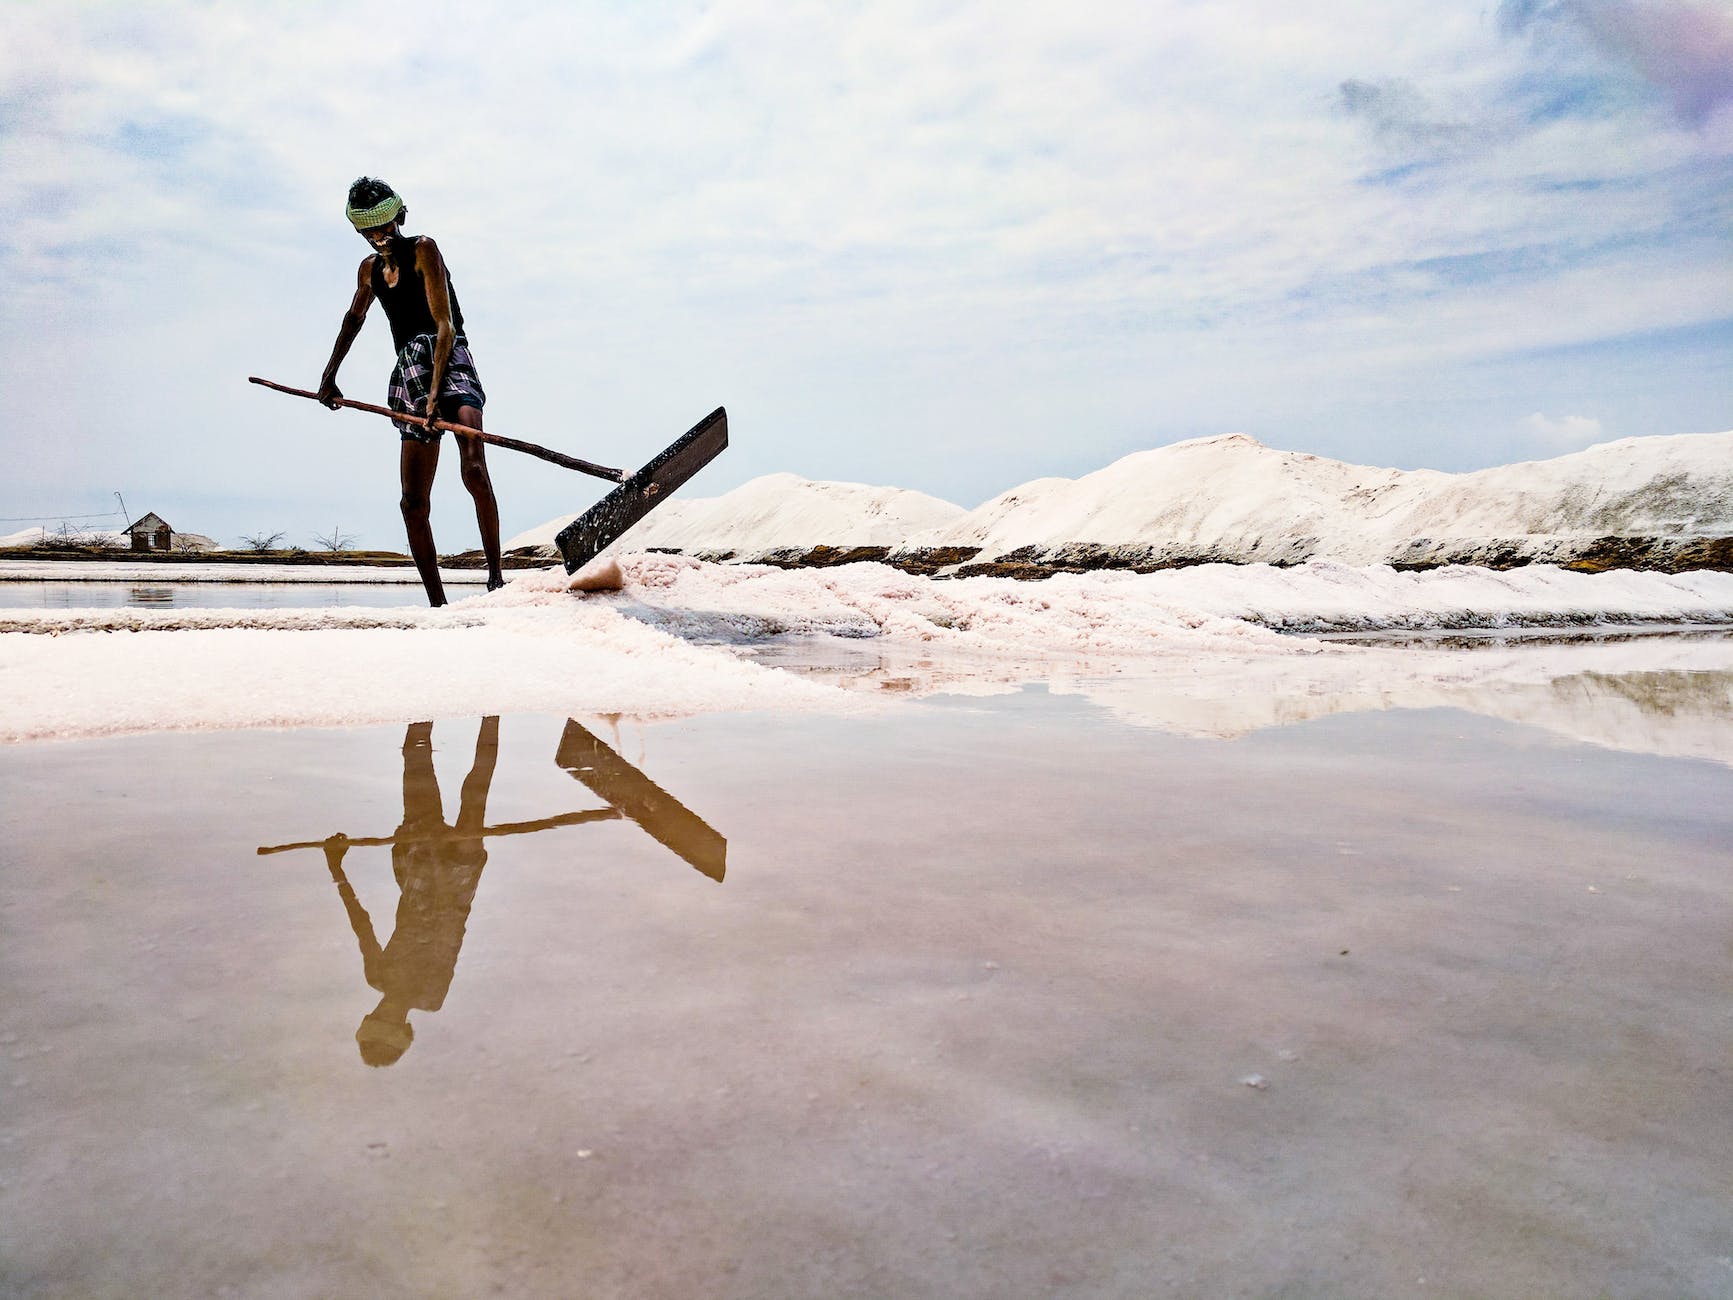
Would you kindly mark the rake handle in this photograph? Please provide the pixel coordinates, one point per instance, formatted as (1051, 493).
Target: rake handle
(498, 440)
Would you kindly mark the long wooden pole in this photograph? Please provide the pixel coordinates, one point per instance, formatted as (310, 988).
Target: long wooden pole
(510, 444)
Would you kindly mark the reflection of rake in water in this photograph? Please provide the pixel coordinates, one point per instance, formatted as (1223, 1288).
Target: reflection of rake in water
(630, 796)
(434, 837)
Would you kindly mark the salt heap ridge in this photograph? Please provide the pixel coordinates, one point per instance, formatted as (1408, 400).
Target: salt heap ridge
(1655, 503)
(1662, 502)
(780, 519)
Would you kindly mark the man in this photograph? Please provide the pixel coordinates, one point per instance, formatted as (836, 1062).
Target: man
(435, 374)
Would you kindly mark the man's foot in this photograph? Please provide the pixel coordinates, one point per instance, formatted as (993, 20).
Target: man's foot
(495, 581)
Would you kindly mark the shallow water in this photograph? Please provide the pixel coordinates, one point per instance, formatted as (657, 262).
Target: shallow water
(955, 1001)
(209, 595)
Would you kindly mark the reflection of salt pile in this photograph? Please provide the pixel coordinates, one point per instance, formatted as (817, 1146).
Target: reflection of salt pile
(1651, 696)
(1188, 651)
(780, 518)
(1665, 695)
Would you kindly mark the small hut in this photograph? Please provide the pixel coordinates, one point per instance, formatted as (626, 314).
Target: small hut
(151, 533)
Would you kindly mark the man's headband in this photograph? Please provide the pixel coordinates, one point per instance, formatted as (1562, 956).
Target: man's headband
(377, 215)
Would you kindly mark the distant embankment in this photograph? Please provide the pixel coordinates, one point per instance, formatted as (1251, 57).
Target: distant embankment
(1583, 554)
(929, 561)
(119, 554)
(1032, 563)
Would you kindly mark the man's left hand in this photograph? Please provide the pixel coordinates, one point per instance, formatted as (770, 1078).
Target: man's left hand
(432, 406)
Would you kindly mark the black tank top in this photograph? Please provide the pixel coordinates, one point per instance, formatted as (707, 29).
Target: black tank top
(406, 304)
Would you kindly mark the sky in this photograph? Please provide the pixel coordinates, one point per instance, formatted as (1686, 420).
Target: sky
(948, 246)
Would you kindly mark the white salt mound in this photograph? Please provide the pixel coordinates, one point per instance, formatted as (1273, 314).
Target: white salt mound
(1240, 500)
(33, 536)
(777, 511)
(600, 574)
(1233, 499)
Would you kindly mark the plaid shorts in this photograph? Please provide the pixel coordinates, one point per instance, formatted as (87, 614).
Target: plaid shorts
(411, 382)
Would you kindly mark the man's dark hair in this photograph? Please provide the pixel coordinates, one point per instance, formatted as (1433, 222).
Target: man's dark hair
(369, 192)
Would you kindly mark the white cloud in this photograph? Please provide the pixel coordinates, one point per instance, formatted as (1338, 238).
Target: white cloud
(905, 242)
(1564, 432)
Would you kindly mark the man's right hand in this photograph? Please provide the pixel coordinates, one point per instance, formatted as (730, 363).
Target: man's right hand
(330, 394)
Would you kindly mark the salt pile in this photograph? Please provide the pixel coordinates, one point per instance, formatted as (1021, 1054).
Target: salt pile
(1663, 503)
(84, 536)
(1232, 499)
(779, 517)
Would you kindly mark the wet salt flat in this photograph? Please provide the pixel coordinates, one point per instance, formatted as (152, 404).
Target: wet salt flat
(670, 636)
(193, 584)
(1052, 992)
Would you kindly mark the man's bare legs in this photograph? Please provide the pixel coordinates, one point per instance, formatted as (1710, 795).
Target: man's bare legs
(418, 462)
(473, 462)
(416, 465)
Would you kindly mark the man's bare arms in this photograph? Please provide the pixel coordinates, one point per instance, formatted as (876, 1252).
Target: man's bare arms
(430, 263)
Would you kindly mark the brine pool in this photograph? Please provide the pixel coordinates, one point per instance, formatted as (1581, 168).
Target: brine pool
(972, 998)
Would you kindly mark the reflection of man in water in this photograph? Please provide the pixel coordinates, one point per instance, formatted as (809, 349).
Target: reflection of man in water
(437, 868)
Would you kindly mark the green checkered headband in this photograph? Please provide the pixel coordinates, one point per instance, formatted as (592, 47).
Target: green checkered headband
(377, 215)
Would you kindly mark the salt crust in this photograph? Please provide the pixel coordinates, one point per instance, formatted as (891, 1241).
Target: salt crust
(351, 667)
(673, 641)
(1207, 608)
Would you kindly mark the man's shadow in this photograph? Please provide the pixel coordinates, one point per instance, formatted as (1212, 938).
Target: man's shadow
(438, 865)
